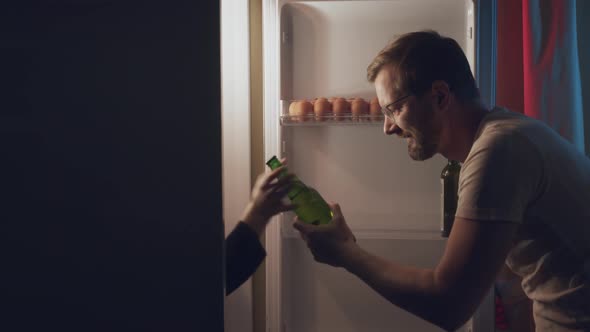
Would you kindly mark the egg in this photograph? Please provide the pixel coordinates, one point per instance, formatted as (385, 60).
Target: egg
(340, 108)
(300, 110)
(292, 108)
(322, 108)
(359, 107)
(375, 110)
(305, 110)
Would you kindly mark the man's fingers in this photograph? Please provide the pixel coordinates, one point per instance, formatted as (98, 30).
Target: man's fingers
(300, 226)
(335, 208)
(304, 228)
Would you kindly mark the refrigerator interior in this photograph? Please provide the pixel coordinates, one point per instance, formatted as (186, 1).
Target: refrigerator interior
(391, 203)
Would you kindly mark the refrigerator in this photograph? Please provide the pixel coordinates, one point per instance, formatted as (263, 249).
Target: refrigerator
(315, 49)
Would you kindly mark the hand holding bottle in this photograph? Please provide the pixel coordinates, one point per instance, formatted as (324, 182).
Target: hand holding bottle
(330, 243)
(310, 206)
(266, 199)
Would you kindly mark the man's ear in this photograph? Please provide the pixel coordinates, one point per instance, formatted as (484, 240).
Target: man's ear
(442, 91)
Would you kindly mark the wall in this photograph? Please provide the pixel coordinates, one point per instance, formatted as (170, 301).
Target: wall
(235, 77)
(257, 147)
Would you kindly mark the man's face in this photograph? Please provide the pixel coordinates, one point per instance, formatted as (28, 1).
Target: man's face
(413, 117)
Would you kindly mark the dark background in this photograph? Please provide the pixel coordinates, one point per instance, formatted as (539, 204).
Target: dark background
(110, 176)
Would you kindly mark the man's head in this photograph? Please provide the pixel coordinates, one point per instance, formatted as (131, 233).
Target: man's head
(418, 77)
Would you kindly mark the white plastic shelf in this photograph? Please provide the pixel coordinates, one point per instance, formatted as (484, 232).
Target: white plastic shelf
(328, 119)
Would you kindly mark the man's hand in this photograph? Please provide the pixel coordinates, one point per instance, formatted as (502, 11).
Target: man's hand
(330, 243)
(266, 199)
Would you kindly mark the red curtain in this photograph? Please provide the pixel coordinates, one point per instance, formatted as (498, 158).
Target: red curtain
(509, 75)
(538, 70)
(552, 86)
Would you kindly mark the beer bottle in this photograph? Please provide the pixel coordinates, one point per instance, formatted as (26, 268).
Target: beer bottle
(449, 179)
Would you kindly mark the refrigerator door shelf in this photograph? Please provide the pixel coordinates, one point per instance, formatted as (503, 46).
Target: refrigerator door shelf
(327, 118)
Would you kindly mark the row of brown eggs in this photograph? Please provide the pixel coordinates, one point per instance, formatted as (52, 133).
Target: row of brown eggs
(336, 108)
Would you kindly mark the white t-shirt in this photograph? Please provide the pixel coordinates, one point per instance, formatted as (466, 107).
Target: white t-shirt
(520, 170)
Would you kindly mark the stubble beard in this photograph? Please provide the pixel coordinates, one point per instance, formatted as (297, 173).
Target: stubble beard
(423, 146)
(420, 151)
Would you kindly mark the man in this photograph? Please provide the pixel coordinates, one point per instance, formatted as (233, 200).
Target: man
(244, 252)
(524, 196)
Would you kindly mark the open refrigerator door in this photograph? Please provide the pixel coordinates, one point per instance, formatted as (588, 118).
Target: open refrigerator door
(321, 49)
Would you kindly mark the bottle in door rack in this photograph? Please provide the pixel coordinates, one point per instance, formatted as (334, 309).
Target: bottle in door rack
(449, 179)
(311, 207)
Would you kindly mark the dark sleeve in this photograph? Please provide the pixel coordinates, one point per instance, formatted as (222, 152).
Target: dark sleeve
(243, 254)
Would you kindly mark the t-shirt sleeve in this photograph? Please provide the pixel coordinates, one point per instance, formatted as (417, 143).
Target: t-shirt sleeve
(500, 178)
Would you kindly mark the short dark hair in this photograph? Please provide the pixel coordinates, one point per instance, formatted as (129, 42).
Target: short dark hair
(423, 57)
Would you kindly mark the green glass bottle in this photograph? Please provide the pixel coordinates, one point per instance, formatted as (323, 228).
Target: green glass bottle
(449, 179)
(311, 207)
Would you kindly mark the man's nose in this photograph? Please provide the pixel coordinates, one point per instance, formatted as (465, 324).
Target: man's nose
(389, 126)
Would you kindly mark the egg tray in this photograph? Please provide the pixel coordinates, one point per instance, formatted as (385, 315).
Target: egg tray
(327, 119)
(345, 119)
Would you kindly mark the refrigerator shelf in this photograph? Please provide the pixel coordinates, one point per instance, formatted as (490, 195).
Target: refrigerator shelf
(327, 119)
(347, 119)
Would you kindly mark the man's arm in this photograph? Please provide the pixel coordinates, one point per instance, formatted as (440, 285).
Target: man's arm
(448, 294)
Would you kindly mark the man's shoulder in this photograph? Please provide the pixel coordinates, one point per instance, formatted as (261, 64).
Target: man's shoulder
(504, 137)
(506, 129)
(504, 141)
(501, 120)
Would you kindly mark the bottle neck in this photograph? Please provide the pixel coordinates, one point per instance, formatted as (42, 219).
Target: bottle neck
(274, 163)
(297, 187)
